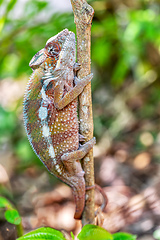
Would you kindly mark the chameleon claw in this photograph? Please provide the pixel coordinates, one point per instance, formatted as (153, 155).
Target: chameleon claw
(90, 187)
(76, 67)
(83, 81)
(77, 80)
(81, 138)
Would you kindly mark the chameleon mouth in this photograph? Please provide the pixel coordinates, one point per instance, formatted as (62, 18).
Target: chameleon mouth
(37, 59)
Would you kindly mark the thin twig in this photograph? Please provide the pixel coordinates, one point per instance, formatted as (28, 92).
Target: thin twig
(83, 14)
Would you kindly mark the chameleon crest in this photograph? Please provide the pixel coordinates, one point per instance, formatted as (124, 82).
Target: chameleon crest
(50, 113)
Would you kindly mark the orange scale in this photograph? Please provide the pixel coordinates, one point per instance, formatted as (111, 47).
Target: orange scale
(52, 62)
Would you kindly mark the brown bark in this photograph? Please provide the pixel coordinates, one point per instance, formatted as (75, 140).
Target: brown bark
(83, 14)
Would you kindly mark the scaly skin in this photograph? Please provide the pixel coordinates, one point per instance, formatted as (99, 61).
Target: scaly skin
(50, 113)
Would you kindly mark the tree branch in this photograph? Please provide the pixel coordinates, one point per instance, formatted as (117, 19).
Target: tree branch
(83, 14)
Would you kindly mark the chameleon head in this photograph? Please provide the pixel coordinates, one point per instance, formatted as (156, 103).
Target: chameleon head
(57, 47)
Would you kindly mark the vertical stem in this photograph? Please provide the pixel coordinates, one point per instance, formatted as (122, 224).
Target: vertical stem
(83, 14)
(19, 229)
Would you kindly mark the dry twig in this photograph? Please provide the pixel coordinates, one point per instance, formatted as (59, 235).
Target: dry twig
(83, 14)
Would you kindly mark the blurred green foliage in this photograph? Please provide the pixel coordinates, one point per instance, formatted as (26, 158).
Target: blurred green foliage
(88, 232)
(123, 36)
(10, 213)
(125, 57)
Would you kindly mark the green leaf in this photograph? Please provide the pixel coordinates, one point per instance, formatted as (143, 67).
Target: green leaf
(123, 236)
(44, 233)
(1, 1)
(13, 216)
(94, 232)
(10, 214)
(11, 5)
(156, 234)
(4, 203)
(72, 235)
(2, 22)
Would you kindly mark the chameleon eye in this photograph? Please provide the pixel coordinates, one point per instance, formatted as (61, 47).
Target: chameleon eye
(52, 49)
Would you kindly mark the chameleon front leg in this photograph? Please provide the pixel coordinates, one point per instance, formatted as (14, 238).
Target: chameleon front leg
(61, 101)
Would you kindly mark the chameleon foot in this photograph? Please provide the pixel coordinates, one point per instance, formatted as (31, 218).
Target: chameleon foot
(81, 152)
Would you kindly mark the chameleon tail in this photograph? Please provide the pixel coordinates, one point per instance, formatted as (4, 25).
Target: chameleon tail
(79, 196)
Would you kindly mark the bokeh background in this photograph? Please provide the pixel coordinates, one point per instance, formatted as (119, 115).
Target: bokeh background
(126, 107)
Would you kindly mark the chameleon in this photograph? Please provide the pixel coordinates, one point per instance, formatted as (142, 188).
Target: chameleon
(50, 113)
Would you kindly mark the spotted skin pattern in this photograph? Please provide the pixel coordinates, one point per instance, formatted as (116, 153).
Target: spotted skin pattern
(50, 113)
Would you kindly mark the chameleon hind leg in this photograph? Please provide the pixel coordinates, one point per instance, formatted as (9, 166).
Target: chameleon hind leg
(73, 166)
(71, 159)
